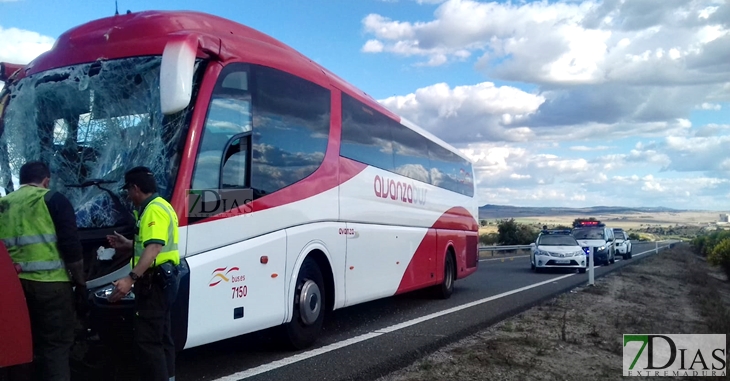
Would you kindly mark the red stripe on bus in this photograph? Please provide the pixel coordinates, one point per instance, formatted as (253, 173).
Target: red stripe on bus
(449, 232)
(327, 177)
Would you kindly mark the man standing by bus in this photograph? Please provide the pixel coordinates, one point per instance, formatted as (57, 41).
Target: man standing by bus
(38, 228)
(154, 274)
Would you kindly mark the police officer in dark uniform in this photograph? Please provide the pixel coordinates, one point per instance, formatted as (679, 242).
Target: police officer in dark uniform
(154, 274)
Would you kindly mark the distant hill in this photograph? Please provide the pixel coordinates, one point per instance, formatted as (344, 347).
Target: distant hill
(505, 211)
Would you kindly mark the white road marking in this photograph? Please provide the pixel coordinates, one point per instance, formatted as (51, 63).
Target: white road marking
(367, 336)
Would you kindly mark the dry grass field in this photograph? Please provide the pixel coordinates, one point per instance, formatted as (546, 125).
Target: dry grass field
(627, 221)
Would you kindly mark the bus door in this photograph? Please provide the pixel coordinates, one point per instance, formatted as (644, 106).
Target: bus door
(16, 346)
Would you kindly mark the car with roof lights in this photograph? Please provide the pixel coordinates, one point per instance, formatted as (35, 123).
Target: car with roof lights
(593, 233)
(557, 249)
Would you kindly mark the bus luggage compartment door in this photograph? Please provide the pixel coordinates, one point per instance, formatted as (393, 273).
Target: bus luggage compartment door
(16, 346)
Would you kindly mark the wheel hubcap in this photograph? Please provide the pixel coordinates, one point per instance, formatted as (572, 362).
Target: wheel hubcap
(310, 302)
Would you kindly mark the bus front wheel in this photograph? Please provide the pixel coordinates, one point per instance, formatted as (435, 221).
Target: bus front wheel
(308, 307)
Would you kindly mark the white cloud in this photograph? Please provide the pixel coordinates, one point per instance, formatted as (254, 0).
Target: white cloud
(22, 46)
(373, 46)
(468, 113)
(709, 106)
(700, 168)
(712, 130)
(586, 148)
(615, 87)
(662, 57)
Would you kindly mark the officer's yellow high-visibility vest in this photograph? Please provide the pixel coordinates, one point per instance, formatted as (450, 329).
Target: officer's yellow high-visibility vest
(169, 251)
(27, 230)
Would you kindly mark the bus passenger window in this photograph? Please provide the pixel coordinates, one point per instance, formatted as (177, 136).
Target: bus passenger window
(410, 153)
(449, 171)
(291, 129)
(366, 134)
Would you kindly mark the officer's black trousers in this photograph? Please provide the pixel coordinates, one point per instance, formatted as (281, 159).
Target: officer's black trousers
(155, 347)
(52, 319)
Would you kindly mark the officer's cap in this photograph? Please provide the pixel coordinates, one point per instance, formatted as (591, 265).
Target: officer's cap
(135, 175)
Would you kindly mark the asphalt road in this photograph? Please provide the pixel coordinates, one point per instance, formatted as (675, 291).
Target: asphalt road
(367, 341)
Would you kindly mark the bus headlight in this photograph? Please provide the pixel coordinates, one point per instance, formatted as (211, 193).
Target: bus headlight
(107, 291)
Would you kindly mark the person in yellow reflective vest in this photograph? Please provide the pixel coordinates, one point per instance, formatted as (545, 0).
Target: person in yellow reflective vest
(154, 274)
(38, 228)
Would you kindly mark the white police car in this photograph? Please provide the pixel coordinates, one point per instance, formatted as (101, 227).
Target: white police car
(557, 249)
(591, 233)
(623, 243)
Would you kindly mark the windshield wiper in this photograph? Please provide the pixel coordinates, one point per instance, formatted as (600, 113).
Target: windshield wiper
(91, 182)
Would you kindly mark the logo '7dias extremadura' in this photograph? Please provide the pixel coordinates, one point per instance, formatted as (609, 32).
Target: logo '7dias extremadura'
(668, 355)
(203, 203)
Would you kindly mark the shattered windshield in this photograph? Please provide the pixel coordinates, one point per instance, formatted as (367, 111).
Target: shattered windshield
(92, 121)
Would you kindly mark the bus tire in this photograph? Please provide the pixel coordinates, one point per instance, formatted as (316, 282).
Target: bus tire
(446, 288)
(308, 307)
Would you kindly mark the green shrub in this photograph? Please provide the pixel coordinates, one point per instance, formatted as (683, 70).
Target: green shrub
(705, 244)
(698, 244)
(489, 238)
(720, 255)
(512, 233)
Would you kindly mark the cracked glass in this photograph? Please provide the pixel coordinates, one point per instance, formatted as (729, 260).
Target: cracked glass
(93, 122)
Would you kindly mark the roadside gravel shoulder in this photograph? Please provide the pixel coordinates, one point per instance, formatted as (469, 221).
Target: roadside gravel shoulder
(578, 335)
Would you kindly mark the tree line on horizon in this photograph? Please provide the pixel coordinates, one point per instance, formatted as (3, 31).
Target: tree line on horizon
(510, 233)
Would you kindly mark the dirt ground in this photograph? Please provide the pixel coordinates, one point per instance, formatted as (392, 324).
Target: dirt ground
(577, 335)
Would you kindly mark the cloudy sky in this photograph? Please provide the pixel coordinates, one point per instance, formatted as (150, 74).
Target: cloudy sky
(559, 103)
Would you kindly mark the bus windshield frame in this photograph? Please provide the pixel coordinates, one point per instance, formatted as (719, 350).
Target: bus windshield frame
(93, 121)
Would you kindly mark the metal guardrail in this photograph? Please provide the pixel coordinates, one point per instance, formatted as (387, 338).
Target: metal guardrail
(504, 248)
(527, 247)
(498, 251)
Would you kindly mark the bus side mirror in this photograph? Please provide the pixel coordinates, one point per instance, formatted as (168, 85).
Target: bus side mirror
(176, 74)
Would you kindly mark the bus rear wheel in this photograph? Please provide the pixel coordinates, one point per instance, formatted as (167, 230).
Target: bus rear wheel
(446, 288)
(308, 307)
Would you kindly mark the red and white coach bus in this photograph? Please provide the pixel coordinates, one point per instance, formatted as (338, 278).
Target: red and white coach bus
(348, 202)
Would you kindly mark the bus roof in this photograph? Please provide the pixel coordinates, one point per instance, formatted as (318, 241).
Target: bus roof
(147, 32)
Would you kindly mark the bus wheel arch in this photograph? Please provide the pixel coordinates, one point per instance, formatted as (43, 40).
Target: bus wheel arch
(313, 296)
(328, 277)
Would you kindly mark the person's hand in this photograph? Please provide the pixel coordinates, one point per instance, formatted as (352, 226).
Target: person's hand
(119, 241)
(123, 286)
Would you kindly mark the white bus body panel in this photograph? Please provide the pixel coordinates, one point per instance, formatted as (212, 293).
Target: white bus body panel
(377, 258)
(369, 251)
(215, 278)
